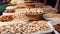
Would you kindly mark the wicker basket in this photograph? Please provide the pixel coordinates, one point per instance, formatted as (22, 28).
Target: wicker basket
(34, 17)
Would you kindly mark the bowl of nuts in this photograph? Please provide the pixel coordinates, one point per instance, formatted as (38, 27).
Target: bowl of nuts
(31, 14)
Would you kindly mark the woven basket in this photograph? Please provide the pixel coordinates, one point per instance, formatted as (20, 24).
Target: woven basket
(34, 17)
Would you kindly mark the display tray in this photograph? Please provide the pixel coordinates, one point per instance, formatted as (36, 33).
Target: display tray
(48, 17)
(39, 32)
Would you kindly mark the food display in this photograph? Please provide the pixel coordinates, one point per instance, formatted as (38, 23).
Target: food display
(27, 28)
(35, 11)
(30, 14)
(6, 18)
(35, 26)
(52, 17)
(19, 17)
(32, 11)
(34, 14)
(29, 17)
(57, 27)
(11, 29)
(50, 10)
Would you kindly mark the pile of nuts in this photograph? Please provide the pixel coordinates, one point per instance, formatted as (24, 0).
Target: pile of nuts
(27, 28)
(29, 11)
(11, 29)
(6, 18)
(35, 27)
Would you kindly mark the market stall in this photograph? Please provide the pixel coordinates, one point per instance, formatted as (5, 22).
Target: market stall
(29, 17)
